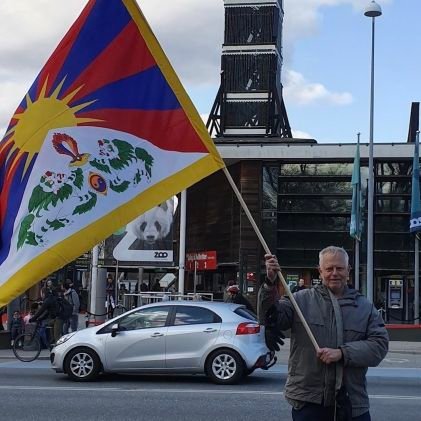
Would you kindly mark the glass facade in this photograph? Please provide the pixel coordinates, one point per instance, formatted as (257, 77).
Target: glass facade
(306, 206)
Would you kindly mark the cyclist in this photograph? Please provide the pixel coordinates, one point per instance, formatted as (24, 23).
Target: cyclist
(48, 312)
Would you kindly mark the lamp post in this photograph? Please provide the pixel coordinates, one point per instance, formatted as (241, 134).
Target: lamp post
(372, 11)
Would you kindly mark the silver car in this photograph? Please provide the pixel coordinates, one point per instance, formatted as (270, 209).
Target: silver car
(223, 341)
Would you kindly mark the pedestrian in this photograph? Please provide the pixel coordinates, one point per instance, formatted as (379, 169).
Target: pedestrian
(71, 296)
(351, 336)
(16, 326)
(3, 310)
(47, 285)
(226, 295)
(110, 296)
(235, 296)
(32, 310)
(49, 312)
(299, 287)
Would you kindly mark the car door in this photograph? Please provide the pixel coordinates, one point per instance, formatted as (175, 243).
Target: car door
(193, 331)
(140, 341)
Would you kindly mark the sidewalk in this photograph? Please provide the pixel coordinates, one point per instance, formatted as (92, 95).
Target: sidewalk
(400, 355)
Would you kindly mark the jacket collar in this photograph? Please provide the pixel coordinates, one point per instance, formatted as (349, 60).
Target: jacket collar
(349, 297)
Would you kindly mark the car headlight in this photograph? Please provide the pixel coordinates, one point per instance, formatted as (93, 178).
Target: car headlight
(64, 338)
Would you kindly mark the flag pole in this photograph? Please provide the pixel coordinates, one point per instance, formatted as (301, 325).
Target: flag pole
(415, 207)
(182, 248)
(357, 240)
(417, 282)
(267, 250)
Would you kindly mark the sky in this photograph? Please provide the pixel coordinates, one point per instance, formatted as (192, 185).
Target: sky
(326, 49)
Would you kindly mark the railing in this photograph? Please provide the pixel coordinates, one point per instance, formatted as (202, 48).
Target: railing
(136, 300)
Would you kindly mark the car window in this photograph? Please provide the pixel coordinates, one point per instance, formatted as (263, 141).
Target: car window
(244, 312)
(153, 317)
(185, 315)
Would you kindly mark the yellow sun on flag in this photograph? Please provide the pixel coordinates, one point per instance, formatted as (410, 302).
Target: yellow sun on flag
(39, 117)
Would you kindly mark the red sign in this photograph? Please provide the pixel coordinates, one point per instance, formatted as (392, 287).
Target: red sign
(203, 260)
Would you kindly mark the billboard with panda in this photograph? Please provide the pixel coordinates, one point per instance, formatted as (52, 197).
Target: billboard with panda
(145, 241)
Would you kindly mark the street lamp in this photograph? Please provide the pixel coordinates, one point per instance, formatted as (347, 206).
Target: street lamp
(372, 11)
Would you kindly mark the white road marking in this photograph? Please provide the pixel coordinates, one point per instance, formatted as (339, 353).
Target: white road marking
(184, 391)
(396, 360)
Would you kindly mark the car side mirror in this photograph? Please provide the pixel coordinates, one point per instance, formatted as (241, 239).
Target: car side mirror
(114, 330)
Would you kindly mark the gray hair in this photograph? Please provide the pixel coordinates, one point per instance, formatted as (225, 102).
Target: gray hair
(333, 250)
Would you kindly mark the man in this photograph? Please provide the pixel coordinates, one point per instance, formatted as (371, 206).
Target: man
(314, 378)
(71, 296)
(299, 287)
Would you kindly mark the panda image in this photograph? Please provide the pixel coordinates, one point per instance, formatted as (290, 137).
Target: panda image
(152, 227)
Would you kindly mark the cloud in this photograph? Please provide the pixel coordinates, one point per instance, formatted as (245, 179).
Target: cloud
(298, 134)
(300, 91)
(190, 31)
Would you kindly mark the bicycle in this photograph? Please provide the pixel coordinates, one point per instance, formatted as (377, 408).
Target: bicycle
(27, 345)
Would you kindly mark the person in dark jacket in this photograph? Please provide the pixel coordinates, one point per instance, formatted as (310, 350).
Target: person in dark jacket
(71, 296)
(49, 313)
(299, 287)
(110, 300)
(350, 334)
(16, 326)
(235, 296)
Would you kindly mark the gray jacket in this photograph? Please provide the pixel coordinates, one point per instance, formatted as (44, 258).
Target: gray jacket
(365, 345)
(71, 296)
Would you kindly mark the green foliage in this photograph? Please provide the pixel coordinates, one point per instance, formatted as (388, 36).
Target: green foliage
(87, 206)
(146, 158)
(56, 224)
(24, 228)
(62, 194)
(100, 166)
(118, 164)
(125, 150)
(137, 177)
(39, 199)
(30, 239)
(119, 188)
(78, 178)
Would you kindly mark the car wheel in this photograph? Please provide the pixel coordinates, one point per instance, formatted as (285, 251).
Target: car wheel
(82, 365)
(224, 366)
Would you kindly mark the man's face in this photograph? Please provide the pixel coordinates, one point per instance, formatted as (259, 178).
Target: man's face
(334, 272)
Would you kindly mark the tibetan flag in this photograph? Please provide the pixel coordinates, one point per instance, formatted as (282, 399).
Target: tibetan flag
(415, 221)
(105, 133)
(355, 226)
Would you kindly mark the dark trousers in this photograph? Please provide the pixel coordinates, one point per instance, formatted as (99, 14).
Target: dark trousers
(313, 412)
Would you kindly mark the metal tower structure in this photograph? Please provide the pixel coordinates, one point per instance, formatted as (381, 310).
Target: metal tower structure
(249, 102)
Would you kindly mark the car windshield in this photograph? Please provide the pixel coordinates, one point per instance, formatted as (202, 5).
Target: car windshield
(247, 314)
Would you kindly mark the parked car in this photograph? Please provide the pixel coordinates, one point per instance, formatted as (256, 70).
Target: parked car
(222, 340)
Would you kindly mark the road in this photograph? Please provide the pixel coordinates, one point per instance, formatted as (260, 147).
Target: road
(32, 391)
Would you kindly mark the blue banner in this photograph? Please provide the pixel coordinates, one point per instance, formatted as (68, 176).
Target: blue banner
(415, 221)
(355, 225)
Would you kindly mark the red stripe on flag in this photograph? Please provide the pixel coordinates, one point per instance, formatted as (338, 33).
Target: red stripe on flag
(168, 130)
(4, 194)
(59, 56)
(103, 70)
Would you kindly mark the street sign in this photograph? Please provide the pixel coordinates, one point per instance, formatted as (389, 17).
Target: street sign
(204, 260)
